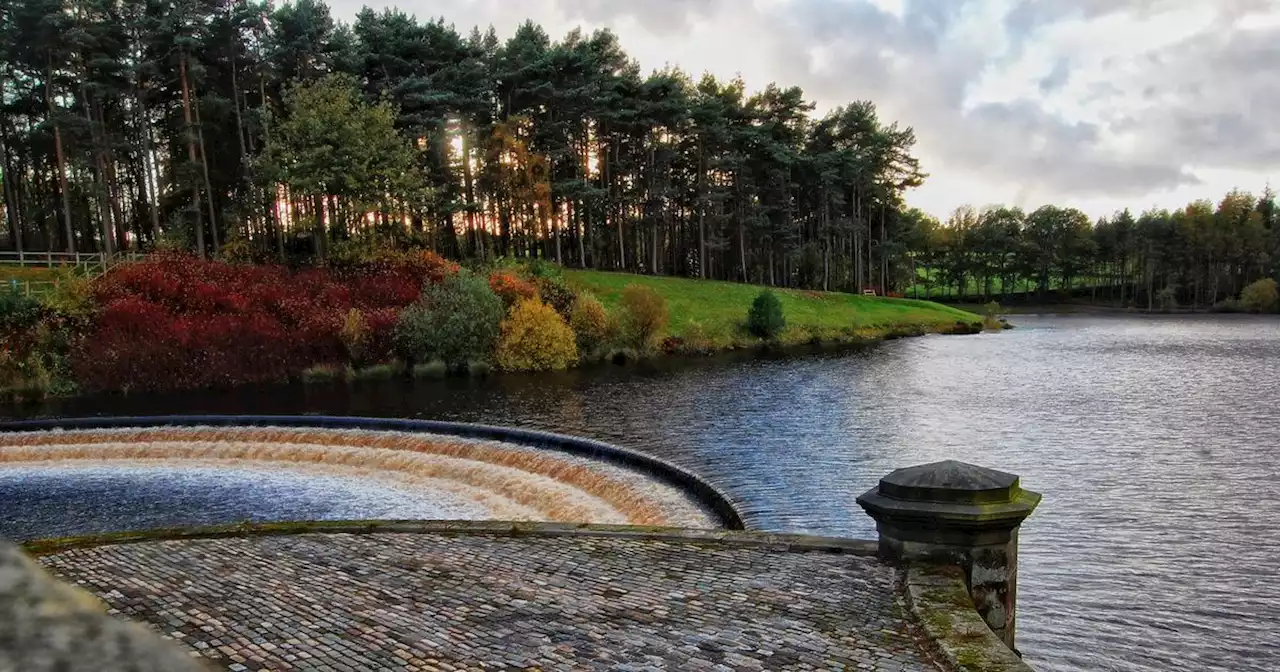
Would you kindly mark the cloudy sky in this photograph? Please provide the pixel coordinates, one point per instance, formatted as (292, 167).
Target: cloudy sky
(1098, 104)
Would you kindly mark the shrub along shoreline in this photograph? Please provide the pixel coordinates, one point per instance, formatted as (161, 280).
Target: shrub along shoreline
(177, 322)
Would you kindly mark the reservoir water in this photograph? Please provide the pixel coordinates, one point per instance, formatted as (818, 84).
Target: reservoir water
(1153, 439)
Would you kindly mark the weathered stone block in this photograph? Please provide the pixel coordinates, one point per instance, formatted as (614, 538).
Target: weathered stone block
(46, 625)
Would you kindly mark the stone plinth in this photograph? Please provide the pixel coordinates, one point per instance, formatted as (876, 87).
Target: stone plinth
(956, 513)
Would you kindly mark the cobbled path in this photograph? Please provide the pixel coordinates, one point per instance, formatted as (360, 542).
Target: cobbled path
(340, 602)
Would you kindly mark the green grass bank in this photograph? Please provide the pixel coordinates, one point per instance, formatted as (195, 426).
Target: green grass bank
(715, 311)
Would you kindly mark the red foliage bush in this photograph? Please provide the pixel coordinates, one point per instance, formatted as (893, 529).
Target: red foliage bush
(176, 321)
(511, 287)
(382, 328)
(418, 265)
(428, 266)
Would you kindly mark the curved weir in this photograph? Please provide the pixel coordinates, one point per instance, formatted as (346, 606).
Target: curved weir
(195, 469)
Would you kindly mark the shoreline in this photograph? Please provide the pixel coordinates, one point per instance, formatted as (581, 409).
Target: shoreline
(662, 359)
(1091, 309)
(221, 326)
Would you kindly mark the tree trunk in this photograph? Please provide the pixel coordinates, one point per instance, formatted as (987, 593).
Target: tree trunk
(61, 159)
(622, 246)
(555, 231)
(702, 213)
(855, 208)
(320, 232)
(469, 190)
(204, 167)
(191, 153)
(149, 169)
(653, 250)
(581, 209)
(884, 261)
(10, 190)
(245, 169)
(826, 240)
(271, 192)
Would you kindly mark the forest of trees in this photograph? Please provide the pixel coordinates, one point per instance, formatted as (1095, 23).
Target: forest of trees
(284, 134)
(1196, 256)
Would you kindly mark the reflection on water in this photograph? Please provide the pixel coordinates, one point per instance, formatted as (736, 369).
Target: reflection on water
(1155, 546)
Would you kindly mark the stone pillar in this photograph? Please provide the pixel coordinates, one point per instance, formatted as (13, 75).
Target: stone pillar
(956, 513)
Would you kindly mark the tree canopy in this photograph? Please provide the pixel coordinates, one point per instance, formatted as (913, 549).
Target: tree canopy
(126, 121)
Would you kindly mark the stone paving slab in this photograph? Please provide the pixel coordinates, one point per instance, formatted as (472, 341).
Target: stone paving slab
(342, 602)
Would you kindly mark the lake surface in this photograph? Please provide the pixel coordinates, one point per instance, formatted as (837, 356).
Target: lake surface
(1153, 440)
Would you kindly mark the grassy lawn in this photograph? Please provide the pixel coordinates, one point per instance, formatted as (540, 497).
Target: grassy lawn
(9, 272)
(721, 307)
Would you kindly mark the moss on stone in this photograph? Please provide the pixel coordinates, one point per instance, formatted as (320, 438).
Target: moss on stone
(971, 659)
(940, 602)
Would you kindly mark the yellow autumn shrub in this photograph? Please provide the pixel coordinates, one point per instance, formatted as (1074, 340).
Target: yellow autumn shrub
(535, 338)
(644, 316)
(590, 322)
(354, 334)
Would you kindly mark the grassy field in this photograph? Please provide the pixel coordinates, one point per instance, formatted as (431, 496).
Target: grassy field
(721, 308)
(9, 272)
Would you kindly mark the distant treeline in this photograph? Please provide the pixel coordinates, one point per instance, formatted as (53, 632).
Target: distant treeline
(1195, 256)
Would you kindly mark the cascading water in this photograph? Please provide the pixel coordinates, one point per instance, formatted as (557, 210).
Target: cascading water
(314, 474)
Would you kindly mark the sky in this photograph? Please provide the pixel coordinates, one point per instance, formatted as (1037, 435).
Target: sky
(1094, 104)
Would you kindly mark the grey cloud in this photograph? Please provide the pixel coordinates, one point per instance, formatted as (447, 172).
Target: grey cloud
(1027, 16)
(1057, 77)
(869, 42)
(660, 17)
(933, 17)
(1227, 92)
(924, 81)
(1020, 141)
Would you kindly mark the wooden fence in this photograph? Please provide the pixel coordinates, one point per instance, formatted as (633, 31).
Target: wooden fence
(87, 264)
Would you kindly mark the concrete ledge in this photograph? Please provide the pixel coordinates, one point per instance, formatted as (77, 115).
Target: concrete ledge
(48, 626)
(939, 601)
(716, 501)
(793, 543)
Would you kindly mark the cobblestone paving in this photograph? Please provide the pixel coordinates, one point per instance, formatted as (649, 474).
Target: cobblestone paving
(342, 602)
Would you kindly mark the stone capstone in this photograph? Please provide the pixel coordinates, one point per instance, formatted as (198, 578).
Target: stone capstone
(949, 502)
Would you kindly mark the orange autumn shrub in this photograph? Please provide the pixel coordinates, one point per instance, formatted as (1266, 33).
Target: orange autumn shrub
(511, 287)
(535, 338)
